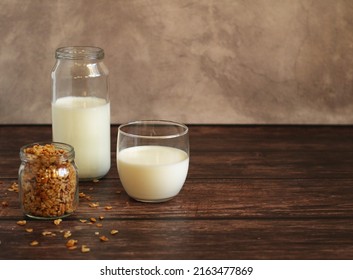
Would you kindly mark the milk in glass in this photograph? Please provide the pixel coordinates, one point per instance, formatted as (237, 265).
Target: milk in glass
(152, 173)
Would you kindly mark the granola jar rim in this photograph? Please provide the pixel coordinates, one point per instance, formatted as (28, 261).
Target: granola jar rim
(69, 154)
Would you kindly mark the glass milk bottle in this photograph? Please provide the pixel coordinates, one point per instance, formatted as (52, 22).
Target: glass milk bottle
(81, 108)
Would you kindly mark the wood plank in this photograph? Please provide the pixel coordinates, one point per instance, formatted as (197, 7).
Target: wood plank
(13, 137)
(268, 160)
(242, 198)
(284, 164)
(271, 138)
(217, 138)
(184, 239)
(218, 165)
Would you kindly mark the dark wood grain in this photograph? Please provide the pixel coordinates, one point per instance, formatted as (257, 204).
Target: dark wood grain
(252, 192)
(186, 239)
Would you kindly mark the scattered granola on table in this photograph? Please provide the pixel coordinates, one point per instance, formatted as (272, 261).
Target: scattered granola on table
(85, 249)
(103, 238)
(34, 243)
(57, 221)
(13, 187)
(71, 244)
(67, 234)
(21, 222)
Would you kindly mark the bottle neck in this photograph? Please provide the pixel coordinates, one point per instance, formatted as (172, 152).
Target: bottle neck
(79, 53)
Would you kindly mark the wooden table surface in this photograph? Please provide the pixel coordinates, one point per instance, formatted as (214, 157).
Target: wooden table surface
(252, 192)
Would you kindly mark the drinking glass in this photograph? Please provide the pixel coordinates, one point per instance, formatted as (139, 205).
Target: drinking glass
(153, 159)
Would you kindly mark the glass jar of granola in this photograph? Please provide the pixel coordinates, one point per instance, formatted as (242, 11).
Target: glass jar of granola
(48, 180)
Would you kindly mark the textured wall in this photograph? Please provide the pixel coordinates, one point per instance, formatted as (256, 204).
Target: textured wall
(194, 61)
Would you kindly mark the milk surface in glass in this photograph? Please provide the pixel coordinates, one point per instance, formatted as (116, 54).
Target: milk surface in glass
(84, 123)
(152, 173)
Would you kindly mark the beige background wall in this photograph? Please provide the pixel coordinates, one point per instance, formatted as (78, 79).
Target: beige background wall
(194, 61)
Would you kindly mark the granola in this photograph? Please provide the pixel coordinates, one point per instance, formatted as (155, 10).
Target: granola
(48, 181)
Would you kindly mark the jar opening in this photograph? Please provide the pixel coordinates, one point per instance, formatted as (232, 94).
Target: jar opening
(57, 150)
(79, 52)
